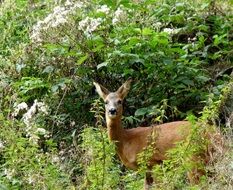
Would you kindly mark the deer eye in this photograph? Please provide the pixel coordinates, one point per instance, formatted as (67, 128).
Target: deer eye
(119, 102)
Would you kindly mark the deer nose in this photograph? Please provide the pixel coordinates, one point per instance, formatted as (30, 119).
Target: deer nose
(112, 111)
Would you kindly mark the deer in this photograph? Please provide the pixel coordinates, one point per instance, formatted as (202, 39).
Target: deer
(130, 143)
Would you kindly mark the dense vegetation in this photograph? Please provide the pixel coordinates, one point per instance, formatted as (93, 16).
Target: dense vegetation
(52, 134)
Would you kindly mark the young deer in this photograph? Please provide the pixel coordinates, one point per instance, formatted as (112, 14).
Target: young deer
(130, 142)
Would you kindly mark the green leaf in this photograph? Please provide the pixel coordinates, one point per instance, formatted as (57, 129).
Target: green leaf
(133, 41)
(82, 59)
(104, 64)
(48, 69)
(99, 47)
(147, 31)
(141, 111)
(188, 82)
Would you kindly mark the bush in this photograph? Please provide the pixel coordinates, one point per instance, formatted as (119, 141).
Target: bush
(177, 52)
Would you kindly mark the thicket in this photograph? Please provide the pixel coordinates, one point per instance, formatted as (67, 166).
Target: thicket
(178, 53)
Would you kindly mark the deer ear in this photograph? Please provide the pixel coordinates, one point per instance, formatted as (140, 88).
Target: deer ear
(102, 91)
(124, 89)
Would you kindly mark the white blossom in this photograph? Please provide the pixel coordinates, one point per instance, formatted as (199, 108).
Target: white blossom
(119, 12)
(1, 145)
(104, 9)
(37, 106)
(55, 159)
(89, 25)
(171, 30)
(58, 17)
(119, 15)
(19, 107)
(41, 131)
(22, 106)
(72, 123)
(157, 24)
(31, 179)
(34, 138)
(29, 114)
(42, 107)
(68, 3)
(114, 20)
(9, 173)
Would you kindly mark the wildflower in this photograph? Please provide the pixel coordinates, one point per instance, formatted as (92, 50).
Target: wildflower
(119, 15)
(157, 25)
(104, 9)
(22, 106)
(19, 107)
(89, 25)
(68, 3)
(31, 179)
(58, 17)
(1, 145)
(34, 139)
(9, 173)
(55, 159)
(74, 5)
(42, 108)
(171, 31)
(28, 116)
(41, 131)
(72, 123)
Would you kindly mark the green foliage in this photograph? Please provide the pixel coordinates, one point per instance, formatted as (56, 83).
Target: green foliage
(178, 53)
(24, 165)
(166, 51)
(101, 171)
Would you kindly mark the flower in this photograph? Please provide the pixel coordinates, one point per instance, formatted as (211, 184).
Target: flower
(42, 107)
(55, 159)
(1, 145)
(19, 107)
(9, 173)
(171, 31)
(31, 179)
(37, 106)
(29, 114)
(58, 17)
(157, 24)
(41, 131)
(104, 9)
(89, 25)
(34, 139)
(22, 106)
(119, 15)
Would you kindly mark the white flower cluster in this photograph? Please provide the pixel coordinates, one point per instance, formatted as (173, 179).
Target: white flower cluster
(104, 9)
(119, 15)
(89, 25)
(171, 31)
(19, 107)
(1, 145)
(9, 173)
(58, 17)
(37, 107)
(157, 25)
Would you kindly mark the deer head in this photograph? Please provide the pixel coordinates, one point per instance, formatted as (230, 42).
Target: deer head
(113, 100)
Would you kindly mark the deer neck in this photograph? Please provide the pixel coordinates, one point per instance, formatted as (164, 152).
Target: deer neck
(115, 130)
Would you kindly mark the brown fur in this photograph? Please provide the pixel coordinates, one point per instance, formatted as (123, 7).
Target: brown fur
(130, 142)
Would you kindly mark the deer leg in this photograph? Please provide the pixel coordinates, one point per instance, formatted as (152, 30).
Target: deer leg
(148, 180)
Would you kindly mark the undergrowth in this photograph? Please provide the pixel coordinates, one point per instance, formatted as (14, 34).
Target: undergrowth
(178, 53)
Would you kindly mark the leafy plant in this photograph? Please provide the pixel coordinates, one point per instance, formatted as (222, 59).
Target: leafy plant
(101, 171)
